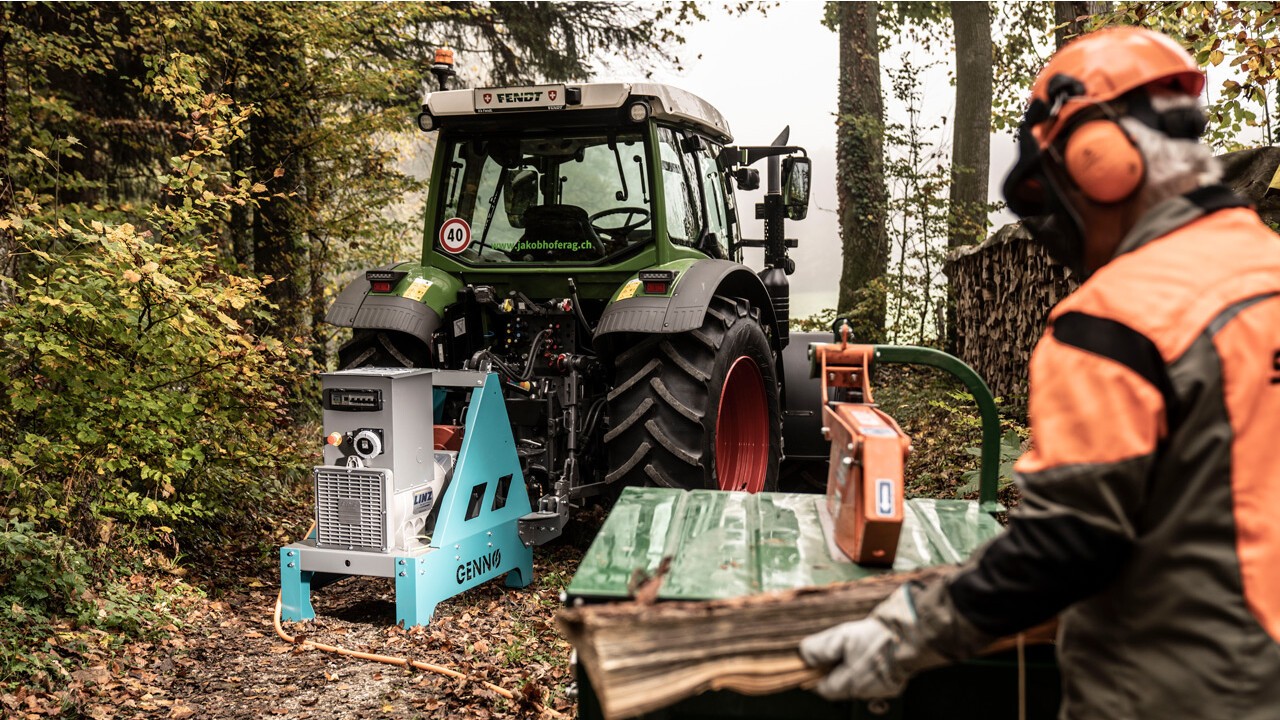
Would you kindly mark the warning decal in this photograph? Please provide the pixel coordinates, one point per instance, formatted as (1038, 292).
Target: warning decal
(628, 291)
(417, 288)
(455, 235)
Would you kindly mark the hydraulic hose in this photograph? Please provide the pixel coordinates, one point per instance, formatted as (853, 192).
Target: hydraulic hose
(402, 662)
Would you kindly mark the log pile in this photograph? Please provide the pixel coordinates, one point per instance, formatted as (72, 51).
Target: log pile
(641, 656)
(1250, 173)
(1004, 290)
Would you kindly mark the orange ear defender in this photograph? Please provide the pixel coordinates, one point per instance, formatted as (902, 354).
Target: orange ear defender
(1103, 161)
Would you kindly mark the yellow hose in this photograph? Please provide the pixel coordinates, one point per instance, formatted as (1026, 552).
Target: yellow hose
(402, 662)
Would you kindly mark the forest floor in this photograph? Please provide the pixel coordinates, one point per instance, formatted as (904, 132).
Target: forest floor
(220, 657)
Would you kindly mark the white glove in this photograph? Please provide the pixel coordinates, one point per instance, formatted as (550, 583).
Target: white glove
(873, 657)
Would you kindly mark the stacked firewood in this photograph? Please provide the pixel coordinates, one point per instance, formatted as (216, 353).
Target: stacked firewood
(1004, 291)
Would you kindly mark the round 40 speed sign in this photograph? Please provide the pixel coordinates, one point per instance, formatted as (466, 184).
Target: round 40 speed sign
(455, 235)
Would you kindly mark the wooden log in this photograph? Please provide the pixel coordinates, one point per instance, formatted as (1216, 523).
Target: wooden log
(642, 657)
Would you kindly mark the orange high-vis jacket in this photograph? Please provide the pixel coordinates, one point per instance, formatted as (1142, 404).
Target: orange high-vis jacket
(1150, 512)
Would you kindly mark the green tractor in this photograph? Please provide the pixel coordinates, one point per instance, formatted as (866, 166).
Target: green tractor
(583, 242)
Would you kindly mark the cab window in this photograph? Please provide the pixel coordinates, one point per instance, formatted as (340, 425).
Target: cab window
(679, 178)
(555, 197)
(714, 190)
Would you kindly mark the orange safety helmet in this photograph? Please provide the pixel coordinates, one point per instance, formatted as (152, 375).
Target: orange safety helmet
(1075, 102)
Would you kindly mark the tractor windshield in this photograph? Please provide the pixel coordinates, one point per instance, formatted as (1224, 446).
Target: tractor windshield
(569, 197)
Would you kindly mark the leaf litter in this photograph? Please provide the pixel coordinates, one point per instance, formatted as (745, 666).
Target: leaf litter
(225, 661)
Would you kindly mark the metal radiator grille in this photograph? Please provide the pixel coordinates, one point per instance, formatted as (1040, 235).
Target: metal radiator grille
(351, 508)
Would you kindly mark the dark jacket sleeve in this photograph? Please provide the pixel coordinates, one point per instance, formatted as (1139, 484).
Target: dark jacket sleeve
(1097, 413)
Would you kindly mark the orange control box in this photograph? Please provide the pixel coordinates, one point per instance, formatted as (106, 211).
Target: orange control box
(868, 455)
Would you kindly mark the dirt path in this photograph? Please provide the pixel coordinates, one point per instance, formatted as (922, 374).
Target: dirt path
(226, 662)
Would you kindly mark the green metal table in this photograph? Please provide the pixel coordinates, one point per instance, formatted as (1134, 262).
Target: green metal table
(725, 544)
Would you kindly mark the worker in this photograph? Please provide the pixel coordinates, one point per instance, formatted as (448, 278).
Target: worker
(1150, 514)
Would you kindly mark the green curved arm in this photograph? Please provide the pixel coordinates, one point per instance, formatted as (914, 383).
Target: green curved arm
(989, 475)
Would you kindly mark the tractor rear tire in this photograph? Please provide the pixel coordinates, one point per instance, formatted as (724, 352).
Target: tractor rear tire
(698, 409)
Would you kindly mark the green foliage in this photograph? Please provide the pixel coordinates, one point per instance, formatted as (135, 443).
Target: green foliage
(818, 322)
(57, 605)
(1243, 38)
(1024, 32)
(945, 427)
(144, 394)
(923, 24)
(140, 394)
(1010, 451)
(919, 178)
(44, 574)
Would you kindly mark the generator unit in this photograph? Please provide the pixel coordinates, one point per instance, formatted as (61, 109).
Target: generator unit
(381, 475)
(433, 505)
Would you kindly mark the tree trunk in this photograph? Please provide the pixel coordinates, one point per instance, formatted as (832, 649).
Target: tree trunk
(7, 238)
(1067, 17)
(280, 246)
(970, 135)
(860, 186)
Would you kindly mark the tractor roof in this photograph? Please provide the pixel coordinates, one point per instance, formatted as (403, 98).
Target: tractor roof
(665, 102)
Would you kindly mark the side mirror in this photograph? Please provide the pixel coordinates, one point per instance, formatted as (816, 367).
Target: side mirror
(795, 186)
(519, 194)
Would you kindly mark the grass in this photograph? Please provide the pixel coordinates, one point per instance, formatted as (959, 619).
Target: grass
(945, 428)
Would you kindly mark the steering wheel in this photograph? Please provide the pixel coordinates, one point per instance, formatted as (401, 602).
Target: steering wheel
(628, 224)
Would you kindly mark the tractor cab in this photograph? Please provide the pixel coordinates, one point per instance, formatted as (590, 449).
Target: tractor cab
(578, 175)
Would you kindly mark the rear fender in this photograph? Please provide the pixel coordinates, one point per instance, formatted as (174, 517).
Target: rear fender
(685, 305)
(413, 307)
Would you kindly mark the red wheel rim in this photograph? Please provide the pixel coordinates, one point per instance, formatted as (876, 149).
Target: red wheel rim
(742, 429)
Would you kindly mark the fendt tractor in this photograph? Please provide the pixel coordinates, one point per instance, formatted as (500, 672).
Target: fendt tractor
(582, 242)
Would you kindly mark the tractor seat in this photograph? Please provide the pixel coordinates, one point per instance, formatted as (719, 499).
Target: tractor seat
(556, 232)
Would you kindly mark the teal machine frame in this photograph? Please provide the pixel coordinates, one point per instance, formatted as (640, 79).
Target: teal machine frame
(475, 537)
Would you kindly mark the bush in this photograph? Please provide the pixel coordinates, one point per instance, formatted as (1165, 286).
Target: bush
(43, 575)
(138, 393)
(139, 390)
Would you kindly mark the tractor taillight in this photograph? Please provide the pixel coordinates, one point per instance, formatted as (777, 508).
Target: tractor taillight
(382, 281)
(657, 282)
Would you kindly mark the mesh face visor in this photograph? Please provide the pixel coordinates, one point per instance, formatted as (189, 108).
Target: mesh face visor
(1031, 194)
(1059, 234)
(1024, 186)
